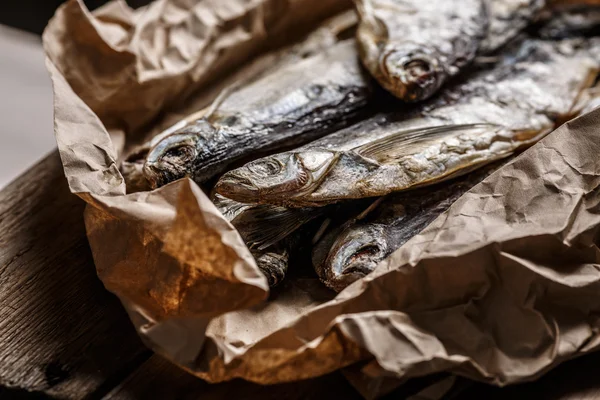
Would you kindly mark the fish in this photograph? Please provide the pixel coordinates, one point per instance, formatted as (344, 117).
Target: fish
(272, 232)
(353, 249)
(292, 105)
(266, 231)
(589, 101)
(332, 31)
(558, 19)
(273, 263)
(571, 22)
(412, 47)
(507, 19)
(262, 225)
(494, 112)
(273, 259)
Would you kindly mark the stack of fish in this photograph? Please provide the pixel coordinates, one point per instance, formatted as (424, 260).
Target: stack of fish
(468, 82)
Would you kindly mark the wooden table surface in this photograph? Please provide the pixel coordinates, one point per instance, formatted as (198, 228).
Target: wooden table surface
(63, 335)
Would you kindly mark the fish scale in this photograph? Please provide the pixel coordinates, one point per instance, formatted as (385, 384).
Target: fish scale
(353, 248)
(508, 18)
(300, 101)
(490, 115)
(277, 109)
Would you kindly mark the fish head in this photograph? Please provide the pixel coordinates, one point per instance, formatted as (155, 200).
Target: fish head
(355, 253)
(174, 155)
(273, 265)
(277, 177)
(415, 73)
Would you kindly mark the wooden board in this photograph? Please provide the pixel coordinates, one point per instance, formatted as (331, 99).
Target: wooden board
(62, 334)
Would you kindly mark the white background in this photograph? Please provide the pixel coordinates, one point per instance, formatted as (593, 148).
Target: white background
(26, 127)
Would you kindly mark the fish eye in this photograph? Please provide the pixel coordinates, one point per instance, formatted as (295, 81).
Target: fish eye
(266, 167)
(417, 68)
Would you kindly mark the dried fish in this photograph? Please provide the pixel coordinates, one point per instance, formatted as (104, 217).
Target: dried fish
(412, 46)
(272, 262)
(592, 102)
(566, 23)
(262, 225)
(507, 19)
(352, 250)
(559, 19)
(332, 31)
(488, 117)
(264, 228)
(287, 107)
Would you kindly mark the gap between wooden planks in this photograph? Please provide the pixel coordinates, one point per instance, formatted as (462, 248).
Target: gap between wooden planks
(63, 335)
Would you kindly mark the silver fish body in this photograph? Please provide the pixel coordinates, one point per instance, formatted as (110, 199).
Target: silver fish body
(352, 250)
(559, 19)
(289, 106)
(488, 117)
(507, 19)
(412, 46)
(573, 21)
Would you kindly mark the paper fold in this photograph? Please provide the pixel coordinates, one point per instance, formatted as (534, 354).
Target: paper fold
(500, 288)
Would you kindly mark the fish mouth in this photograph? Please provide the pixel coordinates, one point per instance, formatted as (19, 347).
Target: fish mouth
(238, 188)
(354, 259)
(273, 266)
(170, 159)
(160, 174)
(154, 176)
(358, 259)
(415, 76)
(348, 272)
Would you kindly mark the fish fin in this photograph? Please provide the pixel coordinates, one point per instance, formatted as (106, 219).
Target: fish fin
(263, 226)
(585, 97)
(367, 15)
(406, 142)
(341, 24)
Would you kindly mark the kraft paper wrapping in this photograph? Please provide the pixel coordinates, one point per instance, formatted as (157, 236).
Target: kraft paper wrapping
(500, 288)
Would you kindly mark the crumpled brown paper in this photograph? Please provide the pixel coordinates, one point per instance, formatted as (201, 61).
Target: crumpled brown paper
(500, 288)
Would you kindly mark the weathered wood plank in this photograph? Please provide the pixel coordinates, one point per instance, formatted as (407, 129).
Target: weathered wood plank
(61, 332)
(158, 379)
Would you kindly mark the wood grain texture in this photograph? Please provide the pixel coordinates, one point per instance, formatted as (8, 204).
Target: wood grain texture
(61, 332)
